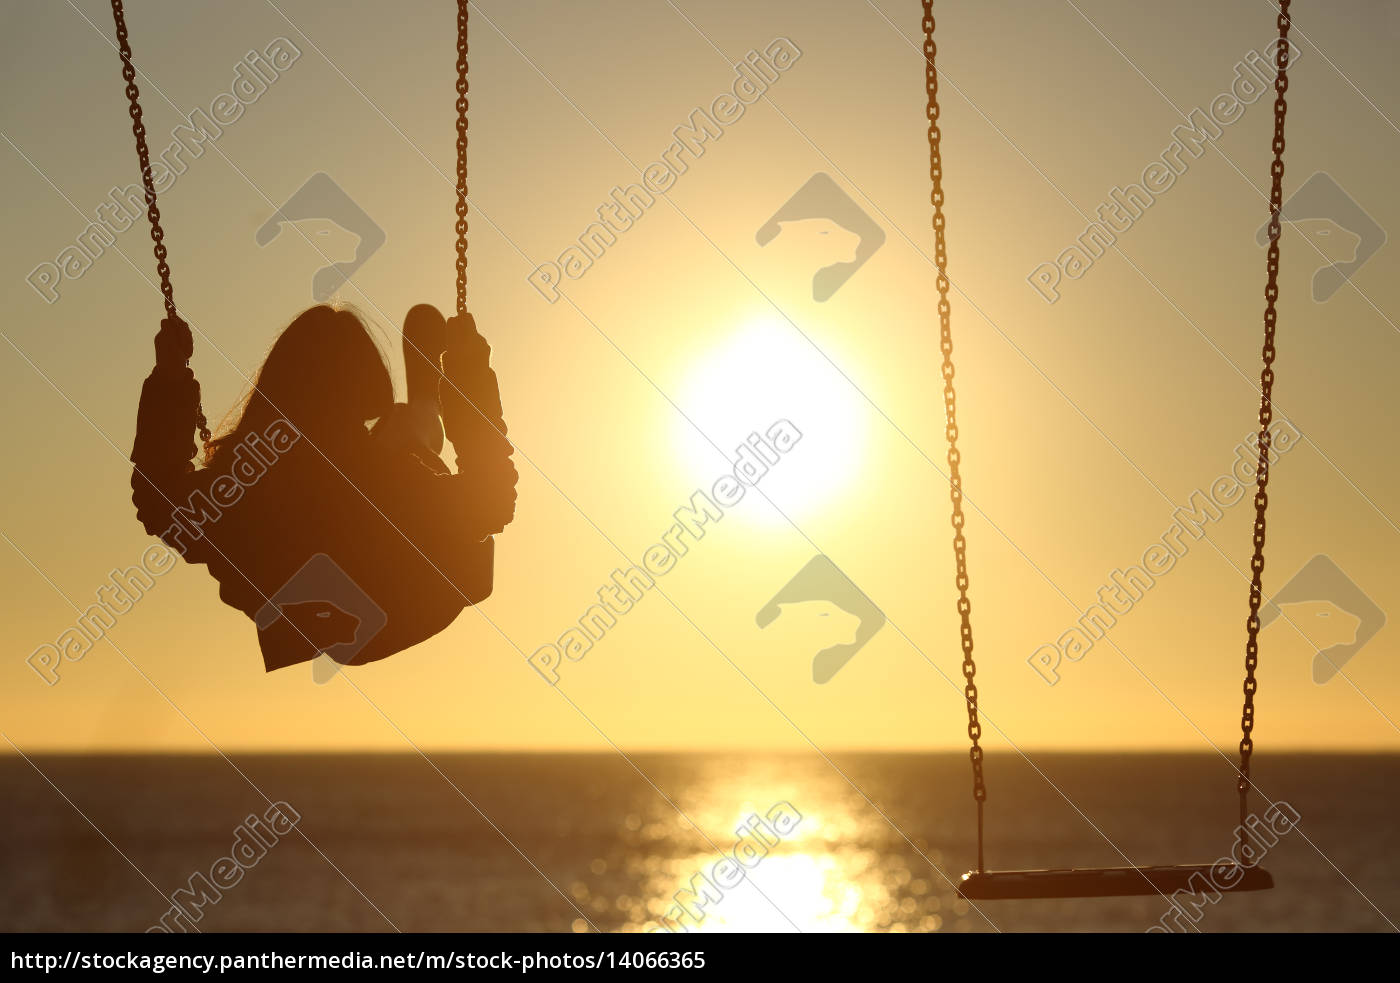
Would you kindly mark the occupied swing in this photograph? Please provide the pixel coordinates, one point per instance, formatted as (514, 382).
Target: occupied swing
(324, 509)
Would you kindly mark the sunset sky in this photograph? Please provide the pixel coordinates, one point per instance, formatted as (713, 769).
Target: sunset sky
(1084, 423)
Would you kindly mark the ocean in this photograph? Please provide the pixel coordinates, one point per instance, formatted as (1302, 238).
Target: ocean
(750, 842)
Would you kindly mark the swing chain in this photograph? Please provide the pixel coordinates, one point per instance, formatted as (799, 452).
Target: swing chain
(1266, 414)
(143, 155)
(950, 408)
(462, 155)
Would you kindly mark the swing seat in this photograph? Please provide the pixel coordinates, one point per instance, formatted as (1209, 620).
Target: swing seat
(1110, 882)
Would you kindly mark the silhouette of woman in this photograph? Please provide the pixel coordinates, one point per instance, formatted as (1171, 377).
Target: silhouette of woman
(332, 534)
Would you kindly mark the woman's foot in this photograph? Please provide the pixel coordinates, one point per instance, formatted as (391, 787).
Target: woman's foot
(424, 341)
(424, 336)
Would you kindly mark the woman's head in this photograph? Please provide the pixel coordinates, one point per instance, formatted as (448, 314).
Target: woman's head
(324, 374)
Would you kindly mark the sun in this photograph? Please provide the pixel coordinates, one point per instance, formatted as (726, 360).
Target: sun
(758, 375)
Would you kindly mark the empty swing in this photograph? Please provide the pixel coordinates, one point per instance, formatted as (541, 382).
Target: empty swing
(325, 511)
(982, 884)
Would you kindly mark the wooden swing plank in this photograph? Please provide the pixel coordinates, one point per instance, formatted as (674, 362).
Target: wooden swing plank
(1111, 882)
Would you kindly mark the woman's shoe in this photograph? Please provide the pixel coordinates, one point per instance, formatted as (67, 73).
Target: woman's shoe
(424, 341)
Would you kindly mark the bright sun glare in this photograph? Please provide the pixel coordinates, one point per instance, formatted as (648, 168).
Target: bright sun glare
(762, 373)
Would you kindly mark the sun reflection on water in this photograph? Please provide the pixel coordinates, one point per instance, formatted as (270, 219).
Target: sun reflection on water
(810, 892)
(835, 871)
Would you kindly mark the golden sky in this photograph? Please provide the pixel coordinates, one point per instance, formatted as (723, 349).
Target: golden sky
(1084, 423)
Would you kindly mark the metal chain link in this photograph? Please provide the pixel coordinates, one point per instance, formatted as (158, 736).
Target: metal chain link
(1266, 416)
(461, 156)
(950, 409)
(143, 155)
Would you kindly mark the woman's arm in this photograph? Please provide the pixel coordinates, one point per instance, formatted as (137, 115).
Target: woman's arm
(164, 450)
(471, 410)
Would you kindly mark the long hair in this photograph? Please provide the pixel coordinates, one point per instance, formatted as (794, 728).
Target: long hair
(325, 375)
